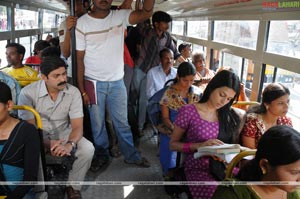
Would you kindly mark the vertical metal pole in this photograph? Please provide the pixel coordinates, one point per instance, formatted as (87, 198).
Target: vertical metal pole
(73, 45)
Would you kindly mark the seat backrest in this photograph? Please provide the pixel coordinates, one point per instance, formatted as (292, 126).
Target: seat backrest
(40, 189)
(244, 104)
(236, 160)
(153, 108)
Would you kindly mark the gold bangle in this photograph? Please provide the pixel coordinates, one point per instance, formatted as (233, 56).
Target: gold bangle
(83, 94)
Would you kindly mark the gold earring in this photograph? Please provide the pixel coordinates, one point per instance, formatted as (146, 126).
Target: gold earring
(263, 171)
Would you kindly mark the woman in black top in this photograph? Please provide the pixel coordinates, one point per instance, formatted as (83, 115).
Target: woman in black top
(19, 149)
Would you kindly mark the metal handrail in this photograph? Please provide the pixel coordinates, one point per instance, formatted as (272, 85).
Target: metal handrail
(236, 159)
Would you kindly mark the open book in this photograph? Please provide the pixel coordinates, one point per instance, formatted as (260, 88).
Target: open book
(225, 151)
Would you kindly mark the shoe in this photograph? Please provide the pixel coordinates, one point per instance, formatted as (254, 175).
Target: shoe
(99, 164)
(141, 163)
(140, 133)
(73, 194)
(114, 152)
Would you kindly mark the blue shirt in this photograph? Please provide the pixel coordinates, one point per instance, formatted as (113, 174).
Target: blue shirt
(13, 85)
(156, 79)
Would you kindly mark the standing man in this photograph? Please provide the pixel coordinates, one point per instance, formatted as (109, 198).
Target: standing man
(60, 107)
(154, 40)
(65, 28)
(100, 46)
(64, 32)
(159, 75)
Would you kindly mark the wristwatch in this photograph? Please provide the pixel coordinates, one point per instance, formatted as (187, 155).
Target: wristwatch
(74, 145)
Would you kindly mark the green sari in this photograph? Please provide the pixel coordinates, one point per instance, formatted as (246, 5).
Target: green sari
(242, 192)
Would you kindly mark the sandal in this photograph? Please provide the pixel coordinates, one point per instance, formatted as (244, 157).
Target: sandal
(115, 153)
(72, 193)
(141, 163)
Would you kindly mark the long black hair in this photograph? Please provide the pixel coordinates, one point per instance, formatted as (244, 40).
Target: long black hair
(279, 145)
(5, 93)
(228, 119)
(272, 92)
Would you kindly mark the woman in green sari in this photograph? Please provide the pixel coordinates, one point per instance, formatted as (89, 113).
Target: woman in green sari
(276, 163)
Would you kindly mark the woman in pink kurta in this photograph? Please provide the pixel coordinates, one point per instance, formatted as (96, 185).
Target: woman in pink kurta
(203, 124)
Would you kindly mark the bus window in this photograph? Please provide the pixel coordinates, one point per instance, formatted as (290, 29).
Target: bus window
(247, 77)
(215, 61)
(25, 41)
(239, 33)
(292, 81)
(197, 29)
(49, 19)
(177, 27)
(269, 74)
(284, 38)
(241, 66)
(3, 18)
(34, 39)
(2, 53)
(199, 48)
(232, 61)
(26, 19)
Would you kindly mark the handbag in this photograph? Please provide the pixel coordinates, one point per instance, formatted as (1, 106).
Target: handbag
(217, 169)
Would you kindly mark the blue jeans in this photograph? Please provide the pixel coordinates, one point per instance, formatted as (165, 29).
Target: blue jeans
(113, 94)
(139, 81)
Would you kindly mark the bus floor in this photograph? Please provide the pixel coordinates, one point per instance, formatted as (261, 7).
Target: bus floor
(129, 181)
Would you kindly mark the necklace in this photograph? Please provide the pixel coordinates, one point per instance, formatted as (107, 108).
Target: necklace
(252, 188)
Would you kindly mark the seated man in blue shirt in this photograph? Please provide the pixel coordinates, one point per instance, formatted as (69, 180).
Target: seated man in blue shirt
(159, 75)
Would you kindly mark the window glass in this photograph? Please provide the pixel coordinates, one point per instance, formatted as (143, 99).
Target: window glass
(199, 48)
(239, 33)
(284, 38)
(34, 40)
(45, 36)
(61, 17)
(25, 41)
(3, 18)
(269, 75)
(292, 81)
(3, 61)
(197, 29)
(26, 19)
(247, 78)
(49, 19)
(177, 27)
(232, 61)
(236, 64)
(215, 64)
